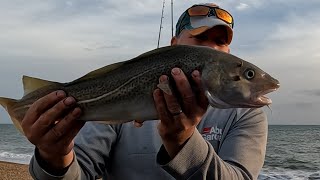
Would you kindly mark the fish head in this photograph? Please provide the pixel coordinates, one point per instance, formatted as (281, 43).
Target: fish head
(235, 83)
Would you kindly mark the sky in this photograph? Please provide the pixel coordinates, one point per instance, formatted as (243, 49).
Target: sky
(63, 40)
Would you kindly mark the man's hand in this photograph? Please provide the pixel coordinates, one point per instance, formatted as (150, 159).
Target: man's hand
(178, 121)
(50, 124)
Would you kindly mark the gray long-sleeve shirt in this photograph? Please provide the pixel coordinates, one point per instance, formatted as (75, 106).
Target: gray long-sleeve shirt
(228, 144)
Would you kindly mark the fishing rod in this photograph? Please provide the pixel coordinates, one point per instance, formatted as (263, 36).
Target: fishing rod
(171, 18)
(161, 23)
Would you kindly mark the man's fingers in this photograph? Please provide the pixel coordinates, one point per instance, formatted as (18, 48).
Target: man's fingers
(64, 126)
(67, 139)
(199, 91)
(39, 107)
(170, 100)
(49, 118)
(185, 90)
(161, 107)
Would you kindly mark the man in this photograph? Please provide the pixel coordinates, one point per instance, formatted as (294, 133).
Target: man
(195, 143)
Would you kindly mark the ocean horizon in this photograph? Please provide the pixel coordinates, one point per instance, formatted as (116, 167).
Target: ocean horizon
(293, 151)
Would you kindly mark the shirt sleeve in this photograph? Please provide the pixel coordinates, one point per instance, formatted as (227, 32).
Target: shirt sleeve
(92, 154)
(38, 173)
(240, 155)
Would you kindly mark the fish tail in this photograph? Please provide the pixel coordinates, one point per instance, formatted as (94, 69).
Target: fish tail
(7, 103)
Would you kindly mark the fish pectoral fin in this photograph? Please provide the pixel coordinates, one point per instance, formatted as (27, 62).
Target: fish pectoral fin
(165, 88)
(31, 84)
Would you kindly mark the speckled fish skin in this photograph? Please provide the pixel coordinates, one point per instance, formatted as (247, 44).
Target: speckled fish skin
(122, 92)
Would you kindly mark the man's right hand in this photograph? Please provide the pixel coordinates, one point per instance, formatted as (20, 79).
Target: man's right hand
(51, 125)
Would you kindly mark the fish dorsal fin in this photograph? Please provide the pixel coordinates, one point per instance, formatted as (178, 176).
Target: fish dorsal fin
(31, 84)
(158, 50)
(101, 71)
(111, 67)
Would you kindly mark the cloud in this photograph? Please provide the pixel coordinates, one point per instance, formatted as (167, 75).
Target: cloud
(66, 30)
(294, 33)
(242, 6)
(312, 92)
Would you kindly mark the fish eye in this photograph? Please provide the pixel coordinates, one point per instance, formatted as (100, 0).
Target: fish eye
(249, 74)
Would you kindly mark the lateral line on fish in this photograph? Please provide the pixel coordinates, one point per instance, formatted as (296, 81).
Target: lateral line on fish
(108, 93)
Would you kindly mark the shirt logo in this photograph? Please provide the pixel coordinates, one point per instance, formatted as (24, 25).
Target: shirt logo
(212, 133)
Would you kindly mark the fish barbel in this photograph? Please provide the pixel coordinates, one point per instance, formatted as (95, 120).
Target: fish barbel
(122, 92)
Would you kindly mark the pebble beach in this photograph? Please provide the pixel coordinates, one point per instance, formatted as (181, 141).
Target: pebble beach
(14, 171)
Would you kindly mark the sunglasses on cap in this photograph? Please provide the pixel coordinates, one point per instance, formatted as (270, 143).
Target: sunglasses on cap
(202, 10)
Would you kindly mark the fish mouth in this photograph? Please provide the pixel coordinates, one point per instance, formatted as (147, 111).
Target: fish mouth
(261, 99)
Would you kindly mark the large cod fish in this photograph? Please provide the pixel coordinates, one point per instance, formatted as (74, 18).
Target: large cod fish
(122, 92)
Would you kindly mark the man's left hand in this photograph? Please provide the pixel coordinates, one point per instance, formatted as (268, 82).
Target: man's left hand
(179, 120)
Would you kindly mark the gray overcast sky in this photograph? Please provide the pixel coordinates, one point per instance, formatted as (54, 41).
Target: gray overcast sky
(62, 40)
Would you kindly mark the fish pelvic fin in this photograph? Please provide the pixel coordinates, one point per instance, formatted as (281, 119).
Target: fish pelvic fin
(165, 88)
(7, 103)
(31, 84)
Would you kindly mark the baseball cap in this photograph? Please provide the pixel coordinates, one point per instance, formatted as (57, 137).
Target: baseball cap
(201, 17)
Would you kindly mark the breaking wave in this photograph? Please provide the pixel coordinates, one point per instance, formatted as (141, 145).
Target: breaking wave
(16, 158)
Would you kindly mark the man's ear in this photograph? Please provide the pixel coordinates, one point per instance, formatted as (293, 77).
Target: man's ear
(174, 41)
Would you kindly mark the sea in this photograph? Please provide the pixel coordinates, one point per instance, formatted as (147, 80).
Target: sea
(293, 152)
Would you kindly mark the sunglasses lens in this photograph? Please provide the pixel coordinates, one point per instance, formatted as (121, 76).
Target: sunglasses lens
(198, 11)
(224, 15)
